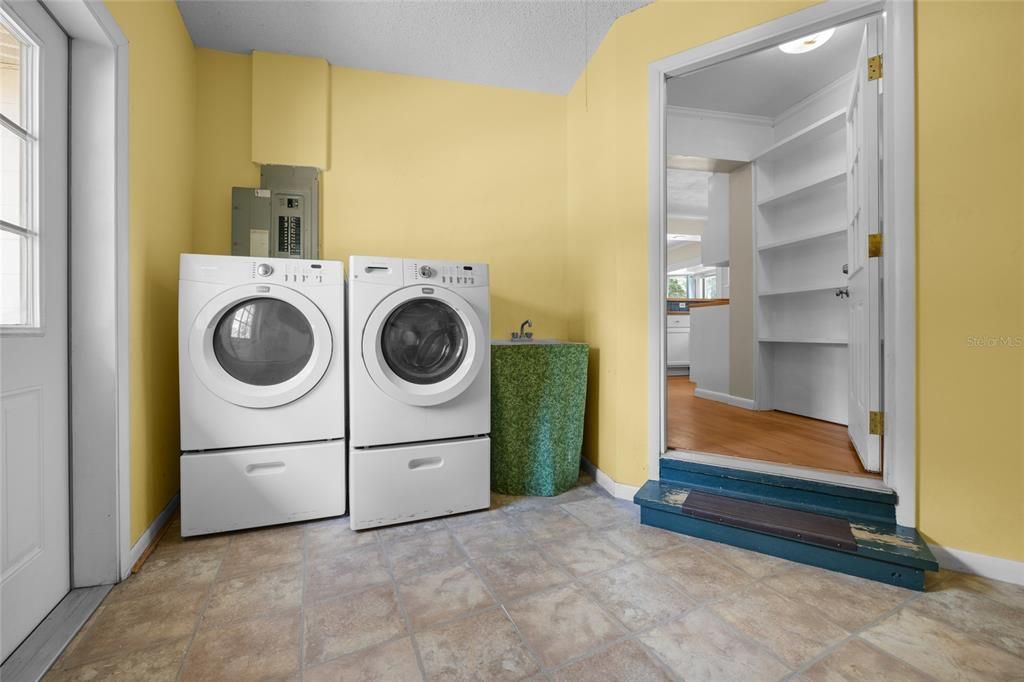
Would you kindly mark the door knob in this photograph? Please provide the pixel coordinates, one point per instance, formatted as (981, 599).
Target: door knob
(843, 292)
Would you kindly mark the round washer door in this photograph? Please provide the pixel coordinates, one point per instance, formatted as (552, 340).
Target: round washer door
(260, 345)
(423, 345)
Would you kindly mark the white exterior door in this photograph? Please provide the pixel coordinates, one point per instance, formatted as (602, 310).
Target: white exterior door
(862, 182)
(34, 540)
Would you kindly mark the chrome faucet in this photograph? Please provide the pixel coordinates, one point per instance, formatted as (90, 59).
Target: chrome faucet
(522, 334)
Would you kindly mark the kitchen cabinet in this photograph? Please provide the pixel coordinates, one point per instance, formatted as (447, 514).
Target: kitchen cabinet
(678, 347)
(709, 368)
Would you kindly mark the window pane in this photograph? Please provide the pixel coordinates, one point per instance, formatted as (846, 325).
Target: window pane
(12, 169)
(11, 51)
(13, 251)
(677, 286)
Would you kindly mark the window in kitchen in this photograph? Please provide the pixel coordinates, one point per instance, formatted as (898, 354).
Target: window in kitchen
(19, 236)
(700, 285)
(678, 286)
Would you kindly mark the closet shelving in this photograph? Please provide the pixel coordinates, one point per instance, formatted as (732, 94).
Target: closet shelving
(810, 288)
(818, 130)
(805, 237)
(793, 193)
(822, 341)
(800, 241)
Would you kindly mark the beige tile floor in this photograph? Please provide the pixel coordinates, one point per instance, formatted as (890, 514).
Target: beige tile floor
(567, 588)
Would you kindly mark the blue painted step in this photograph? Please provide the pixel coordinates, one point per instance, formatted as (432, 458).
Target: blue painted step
(782, 491)
(885, 552)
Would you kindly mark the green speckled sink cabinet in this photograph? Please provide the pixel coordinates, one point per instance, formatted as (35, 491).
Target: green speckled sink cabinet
(538, 394)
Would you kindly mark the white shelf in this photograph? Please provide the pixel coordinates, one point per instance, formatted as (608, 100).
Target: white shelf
(818, 130)
(797, 192)
(808, 237)
(801, 290)
(820, 341)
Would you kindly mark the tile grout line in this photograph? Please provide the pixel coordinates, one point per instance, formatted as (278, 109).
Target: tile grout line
(575, 581)
(302, 602)
(853, 634)
(206, 602)
(406, 620)
(500, 603)
(379, 544)
(709, 603)
(531, 542)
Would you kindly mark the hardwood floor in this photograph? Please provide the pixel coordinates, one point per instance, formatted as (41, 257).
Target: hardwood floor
(708, 426)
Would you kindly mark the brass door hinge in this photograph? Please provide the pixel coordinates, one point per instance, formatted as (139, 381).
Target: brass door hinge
(876, 422)
(875, 245)
(874, 67)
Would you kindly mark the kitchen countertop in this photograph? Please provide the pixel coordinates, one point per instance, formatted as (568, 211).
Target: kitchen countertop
(710, 302)
(694, 303)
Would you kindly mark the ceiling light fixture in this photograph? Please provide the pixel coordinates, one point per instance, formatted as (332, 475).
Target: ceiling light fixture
(807, 43)
(672, 237)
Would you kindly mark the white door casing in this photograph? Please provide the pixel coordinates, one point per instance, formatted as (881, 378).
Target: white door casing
(862, 191)
(34, 549)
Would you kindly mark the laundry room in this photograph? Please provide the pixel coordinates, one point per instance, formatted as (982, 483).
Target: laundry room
(364, 339)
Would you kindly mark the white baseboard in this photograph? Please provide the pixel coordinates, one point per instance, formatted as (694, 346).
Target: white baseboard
(618, 490)
(735, 401)
(150, 534)
(996, 568)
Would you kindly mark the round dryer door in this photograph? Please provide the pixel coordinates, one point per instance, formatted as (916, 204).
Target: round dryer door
(423, 345)
(260, 345)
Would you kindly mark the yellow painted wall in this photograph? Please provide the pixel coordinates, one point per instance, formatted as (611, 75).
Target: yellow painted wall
(162, 134)
(420, 168)
(607, 158)
(971, 220)
(223, 143)
(970, 194)
(436, 169)
(290, 110)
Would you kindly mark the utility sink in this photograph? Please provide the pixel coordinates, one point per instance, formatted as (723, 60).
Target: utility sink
(525, 342)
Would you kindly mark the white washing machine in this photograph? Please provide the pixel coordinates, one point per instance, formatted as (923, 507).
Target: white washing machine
(419, 389)
(262, 391)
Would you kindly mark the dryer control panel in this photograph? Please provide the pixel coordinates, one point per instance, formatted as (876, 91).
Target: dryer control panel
(237, 269)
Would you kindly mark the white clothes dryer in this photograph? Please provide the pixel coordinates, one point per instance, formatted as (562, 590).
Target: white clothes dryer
(419, 389)
(262, 391)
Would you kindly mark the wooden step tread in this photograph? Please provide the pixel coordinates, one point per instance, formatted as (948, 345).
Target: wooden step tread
(879, 541)
(786, 482)
(815, 529)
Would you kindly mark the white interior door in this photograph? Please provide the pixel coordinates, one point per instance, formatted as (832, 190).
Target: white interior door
(34, 541)
(862, 178)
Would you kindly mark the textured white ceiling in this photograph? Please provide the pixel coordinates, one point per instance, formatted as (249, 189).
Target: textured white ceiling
(539, 45)
(768, 82)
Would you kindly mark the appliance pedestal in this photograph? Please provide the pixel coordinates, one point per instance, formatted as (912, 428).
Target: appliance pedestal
(398, 484)
(224, 490)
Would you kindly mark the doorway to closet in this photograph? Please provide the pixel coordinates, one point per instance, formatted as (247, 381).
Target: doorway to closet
(773, 191)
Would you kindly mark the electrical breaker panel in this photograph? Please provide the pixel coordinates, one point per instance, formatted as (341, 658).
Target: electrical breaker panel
(280, 219)
(250, 222)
